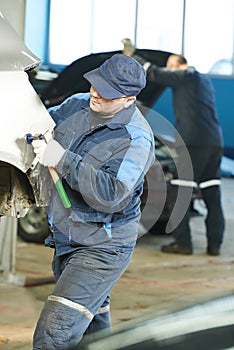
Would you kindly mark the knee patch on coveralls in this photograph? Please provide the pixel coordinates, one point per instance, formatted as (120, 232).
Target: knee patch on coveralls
(61, 324)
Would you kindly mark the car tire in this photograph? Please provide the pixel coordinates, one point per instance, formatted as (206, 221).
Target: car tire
(34, 226)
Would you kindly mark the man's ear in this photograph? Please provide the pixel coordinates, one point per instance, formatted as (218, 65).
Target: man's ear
(129, 101)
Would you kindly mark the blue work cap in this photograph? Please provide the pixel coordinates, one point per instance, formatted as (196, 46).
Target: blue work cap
(118, 76)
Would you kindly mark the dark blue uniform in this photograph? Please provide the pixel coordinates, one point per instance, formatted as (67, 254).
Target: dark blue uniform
(198, 125)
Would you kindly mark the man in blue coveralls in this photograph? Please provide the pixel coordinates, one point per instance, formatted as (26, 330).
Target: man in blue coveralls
(102, 148)
(198, 124)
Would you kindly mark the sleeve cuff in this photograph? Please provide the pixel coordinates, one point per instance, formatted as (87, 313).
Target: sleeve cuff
(146, 65)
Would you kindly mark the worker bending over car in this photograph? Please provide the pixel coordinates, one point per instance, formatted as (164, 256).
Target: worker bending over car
(198, 124)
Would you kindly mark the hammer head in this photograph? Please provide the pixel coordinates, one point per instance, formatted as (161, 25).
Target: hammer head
(30, 138)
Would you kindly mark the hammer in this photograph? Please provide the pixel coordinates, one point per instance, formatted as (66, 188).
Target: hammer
(56, 180)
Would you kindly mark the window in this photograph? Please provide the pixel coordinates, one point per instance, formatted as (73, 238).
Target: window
(70, 30)
(209, 32)
(160, 25)
(84, 27)
(203, 33)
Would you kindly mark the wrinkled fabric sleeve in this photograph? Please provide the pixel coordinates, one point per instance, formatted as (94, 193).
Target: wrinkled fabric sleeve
(70, 106)
(110, 186)
(167, 77)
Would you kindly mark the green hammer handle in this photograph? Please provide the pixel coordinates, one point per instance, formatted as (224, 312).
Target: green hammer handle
(59, 186)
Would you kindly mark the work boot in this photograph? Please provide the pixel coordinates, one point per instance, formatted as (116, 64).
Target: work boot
(175, 248)
(214, 251)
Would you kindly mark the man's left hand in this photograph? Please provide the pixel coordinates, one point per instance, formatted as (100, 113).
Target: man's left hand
(48, 154)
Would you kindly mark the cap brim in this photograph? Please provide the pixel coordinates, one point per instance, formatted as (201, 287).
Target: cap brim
(104, 89)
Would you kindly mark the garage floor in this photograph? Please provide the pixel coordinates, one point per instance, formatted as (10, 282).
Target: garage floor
(155, 283)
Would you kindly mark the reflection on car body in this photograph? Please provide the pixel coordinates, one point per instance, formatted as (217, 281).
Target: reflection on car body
(208, 326)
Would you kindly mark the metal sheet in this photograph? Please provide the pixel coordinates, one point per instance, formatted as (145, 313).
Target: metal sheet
(14, 54)
(22, 112)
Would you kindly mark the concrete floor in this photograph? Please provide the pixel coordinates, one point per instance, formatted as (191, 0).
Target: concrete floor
(154, 283)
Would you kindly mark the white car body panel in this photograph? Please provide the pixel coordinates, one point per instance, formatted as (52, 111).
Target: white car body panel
(22, 112)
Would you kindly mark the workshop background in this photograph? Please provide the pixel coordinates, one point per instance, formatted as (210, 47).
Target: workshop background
(155, 284)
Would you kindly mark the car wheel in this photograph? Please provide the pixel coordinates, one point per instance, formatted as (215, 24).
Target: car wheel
(34, 226)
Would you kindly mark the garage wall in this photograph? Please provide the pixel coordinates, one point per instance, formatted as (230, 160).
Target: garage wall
(36, 27)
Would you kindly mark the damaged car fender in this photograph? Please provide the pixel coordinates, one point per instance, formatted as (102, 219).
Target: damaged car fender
(22, 112)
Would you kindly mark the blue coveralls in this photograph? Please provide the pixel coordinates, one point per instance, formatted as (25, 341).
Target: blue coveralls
(103, 171)
(198, 124)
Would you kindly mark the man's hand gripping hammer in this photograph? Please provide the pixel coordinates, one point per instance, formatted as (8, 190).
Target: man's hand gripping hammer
(57, 182)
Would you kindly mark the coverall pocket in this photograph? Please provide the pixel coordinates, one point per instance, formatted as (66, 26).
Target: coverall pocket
(96, 154)
(84, 233)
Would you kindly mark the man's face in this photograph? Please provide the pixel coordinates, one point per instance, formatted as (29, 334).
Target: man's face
(173, 63)
(108, 108)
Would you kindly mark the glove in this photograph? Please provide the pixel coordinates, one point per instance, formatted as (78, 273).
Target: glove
(48, 154)
(128, 48)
